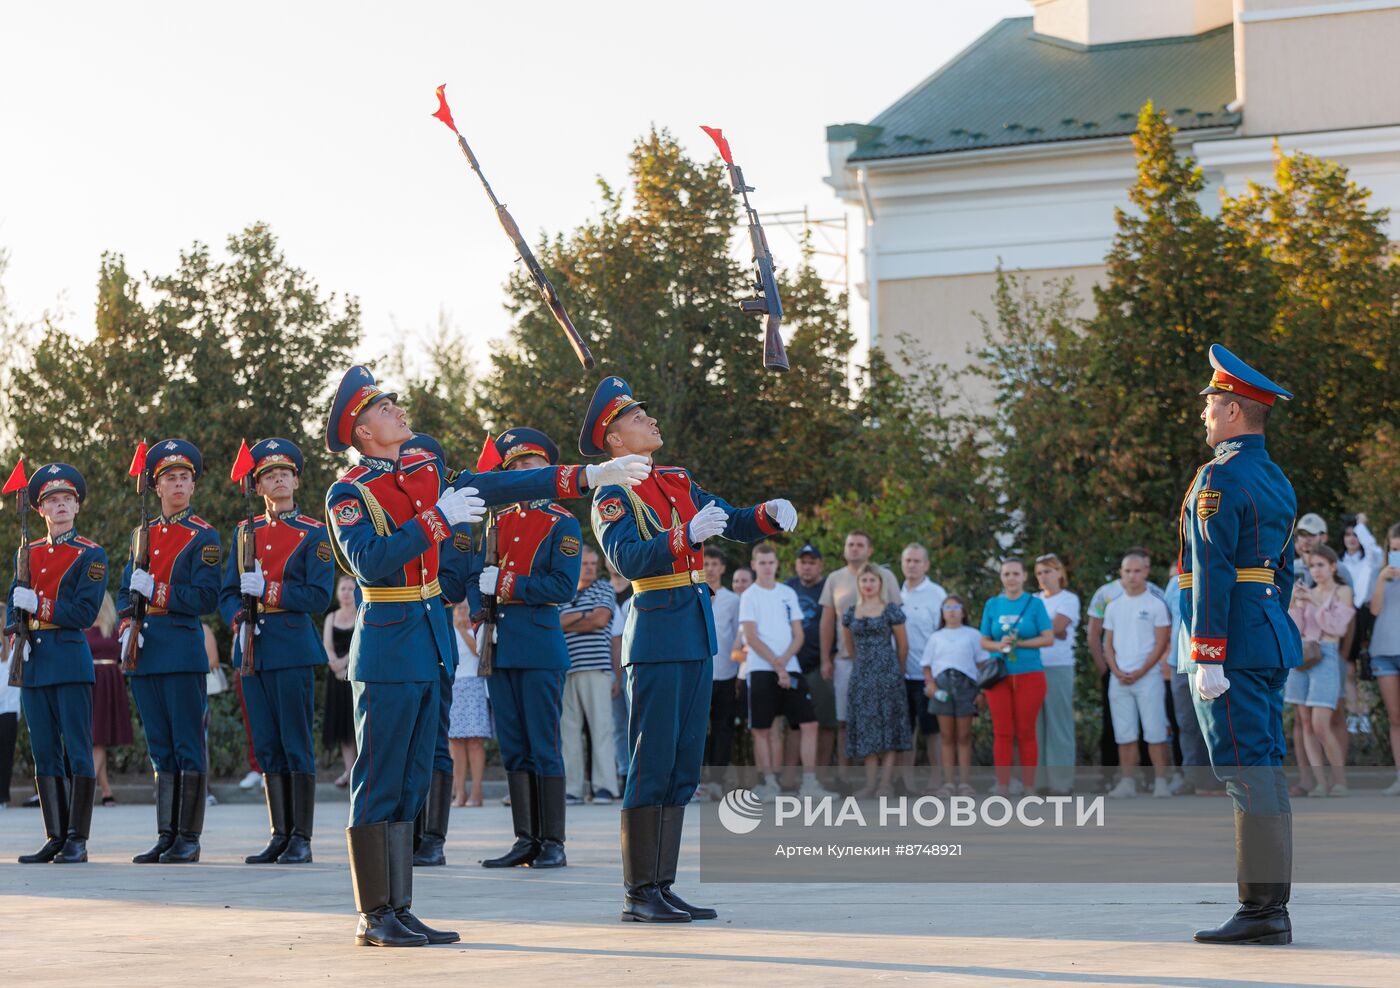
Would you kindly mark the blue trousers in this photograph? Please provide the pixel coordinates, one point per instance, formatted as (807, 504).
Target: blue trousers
(622, 754)
(60, 720)
(172, 707)
(669, 705)
(281, 708)
(1243, 729)
(395, 729)
(442, 751)
(527, 704)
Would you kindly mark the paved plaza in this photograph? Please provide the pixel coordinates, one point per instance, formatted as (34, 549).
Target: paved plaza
(225, 923)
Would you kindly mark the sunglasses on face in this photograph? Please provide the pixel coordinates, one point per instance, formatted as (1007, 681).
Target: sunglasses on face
(952, 607)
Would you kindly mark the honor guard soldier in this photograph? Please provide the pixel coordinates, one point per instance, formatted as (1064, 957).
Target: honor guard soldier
(169, 680)
(430, 826)
(388, 517)
(292, 579)
(539, 544)
(68, 575)
(1236, 583)
(654, 536)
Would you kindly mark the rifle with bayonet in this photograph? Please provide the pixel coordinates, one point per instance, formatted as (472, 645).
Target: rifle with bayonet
(19, 650)
(141, 558)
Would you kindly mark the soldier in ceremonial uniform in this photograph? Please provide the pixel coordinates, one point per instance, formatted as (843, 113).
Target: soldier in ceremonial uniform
(1236, 583)
(539, 544)
(654, 536)
(68, 575)
(388, 517)
(168, 683)
(293, 580)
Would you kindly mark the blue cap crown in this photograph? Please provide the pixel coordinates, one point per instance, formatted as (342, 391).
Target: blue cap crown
(276, 452)
(355, 394)
(515, 443)
(1234, 376)
(170, 453)
(611, 398)
(54, 478)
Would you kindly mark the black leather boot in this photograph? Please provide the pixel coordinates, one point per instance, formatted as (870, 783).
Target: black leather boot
(672, 825)
(302, 786)
(369, 876)
(167, 810)
(80, 802)
(641, 847)
(525, 814)
(1264, 873)
(428, 849)
(53, 803)
(549, 797)
(185, 849)
(401, 885)
(276, 791)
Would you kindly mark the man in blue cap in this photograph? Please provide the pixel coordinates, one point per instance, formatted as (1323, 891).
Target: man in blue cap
(293, 579)
(539, 568)
(1236, 581)
(389, 516)
(653, 535)
(68, 575)
(168, 684)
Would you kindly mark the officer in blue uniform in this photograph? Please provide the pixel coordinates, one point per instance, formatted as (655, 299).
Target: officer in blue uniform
(293, 580)
(168, 683)
(654, 536)
(388, 517)
(68, 574)
(1236, 565)
(539, 544)
(430, 825)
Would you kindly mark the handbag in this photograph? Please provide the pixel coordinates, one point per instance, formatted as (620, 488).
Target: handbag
(1312, 654)
(994, 670)
(215, 681)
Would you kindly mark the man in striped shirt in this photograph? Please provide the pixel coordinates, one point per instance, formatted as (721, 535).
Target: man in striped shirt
(587, 621)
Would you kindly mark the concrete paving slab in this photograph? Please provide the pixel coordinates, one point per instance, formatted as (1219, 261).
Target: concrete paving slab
(221, 922)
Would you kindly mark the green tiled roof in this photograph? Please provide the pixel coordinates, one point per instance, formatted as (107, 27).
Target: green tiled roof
(1015, 87)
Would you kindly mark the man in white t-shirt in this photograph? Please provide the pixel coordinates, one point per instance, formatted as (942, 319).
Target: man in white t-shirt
(1137, 630)
(838, 596)
(771, 618)
(922, 600)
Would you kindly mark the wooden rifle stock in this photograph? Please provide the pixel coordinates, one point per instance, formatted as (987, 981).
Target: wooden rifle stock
(248, 562)
(489, 605)
(142, 560)
(21, 625)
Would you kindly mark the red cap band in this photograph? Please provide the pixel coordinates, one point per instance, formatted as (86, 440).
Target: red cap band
(1232, 384)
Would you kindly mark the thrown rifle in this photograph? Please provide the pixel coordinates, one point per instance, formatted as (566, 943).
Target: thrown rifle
(766, 302)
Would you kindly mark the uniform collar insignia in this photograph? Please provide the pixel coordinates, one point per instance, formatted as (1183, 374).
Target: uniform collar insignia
(289, 514)
(67, 536)
(541, 503)
(377, 463)
(178, 516)
(1249, 441)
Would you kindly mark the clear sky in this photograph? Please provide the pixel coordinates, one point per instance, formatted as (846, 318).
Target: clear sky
(140, 127)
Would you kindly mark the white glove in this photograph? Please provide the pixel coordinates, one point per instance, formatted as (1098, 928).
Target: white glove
(1210, 680)
(143, 583)
(25, 599)
(781, 511)
(126, 636)
(462, 507)
(480, 637)
(490, 577)
(710, 520)
(253, 584)
(243, 635)
(10, 648)
(629, 471)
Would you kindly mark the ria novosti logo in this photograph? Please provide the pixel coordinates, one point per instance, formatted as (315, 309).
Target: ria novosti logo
(740, 811)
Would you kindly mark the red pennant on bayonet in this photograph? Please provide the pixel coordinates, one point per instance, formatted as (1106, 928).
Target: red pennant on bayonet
(490, 457)
(138, 460)
(717, 135)
(243, 463)
(18, 480)
(444, 112)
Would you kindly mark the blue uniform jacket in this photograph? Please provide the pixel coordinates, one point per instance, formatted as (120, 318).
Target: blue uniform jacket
(539, 547)
(295, 553)
(388, 533)
(643, 534)
(69, 574)
(185, 557)
(1237, 561)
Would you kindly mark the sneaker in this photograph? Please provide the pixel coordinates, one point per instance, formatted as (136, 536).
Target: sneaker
(716, 792)
(602, 797)
(1393, 789)
(1177, 784)
(1126, 789)
(997, 789)
(570, 800)
(1017, 787)
(1160, 789)
(700, 795)
(211, 800)
(251, 781)
(1319, 791)
(766, 792)
(813, 788)
(1339, 791)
